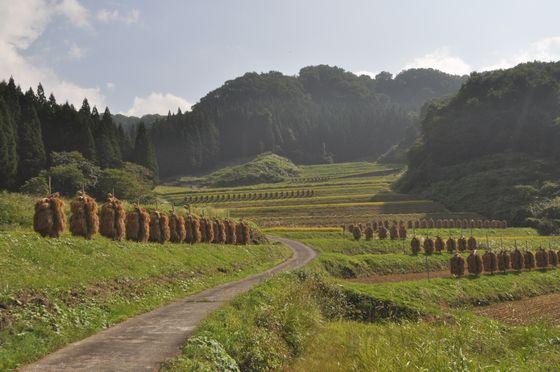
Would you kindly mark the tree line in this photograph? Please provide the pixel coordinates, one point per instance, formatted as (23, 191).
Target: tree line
(36, 132)
(323, 114)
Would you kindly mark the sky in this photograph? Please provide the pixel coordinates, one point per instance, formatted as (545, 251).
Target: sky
(151, 56)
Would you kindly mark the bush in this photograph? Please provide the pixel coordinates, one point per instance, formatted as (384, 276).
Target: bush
(36, 186)
(122, 184)
(66, 179)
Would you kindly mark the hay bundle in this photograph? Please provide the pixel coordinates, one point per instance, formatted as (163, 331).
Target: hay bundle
(428, 246)
(552, 258)
(176, 228)
(402, 232)
(423, 224)
(504, 262)
(542, 258)
(439, 244)
(230, 232)
(369, 233)
(386, 224)
(84, 220)
(490, 262)
(220, 232)
(416, 224)
(415, 245)
(529, 260)
(457, 265)
(113, 215)
(239, 233)
(450, 245)
(382, 232)
(216, 228)
(138, 225)
(431, 223)
(472, 224)
(504, 224)
(462, 244)
(495, 224)
(159, 227)
(49, 218)
(409, 224)
(192, 229)
(245, 233)
(479, 224)
(465, 223)
(471, 243)
(374, 225)
(357, 233)
(394, 232)
(486, 224)
(517, 260)
(207, 230)
(445, 223)
(474, 263)
(438, 223)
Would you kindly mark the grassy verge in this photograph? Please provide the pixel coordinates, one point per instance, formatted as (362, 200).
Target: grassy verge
(466, 344)
(55, 291)
(344, 266)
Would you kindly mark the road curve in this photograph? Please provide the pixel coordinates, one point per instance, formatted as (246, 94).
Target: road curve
(142, 343)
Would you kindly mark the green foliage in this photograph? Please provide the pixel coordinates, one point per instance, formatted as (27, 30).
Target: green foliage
(16, 210)
(31, 152)
(123, 184)
(265, 168)
(144, 153)
(38, 186)
(491, 147)
(8, 155)
(66, 179)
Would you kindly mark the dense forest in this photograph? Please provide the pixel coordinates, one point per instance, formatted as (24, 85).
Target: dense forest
(494, 147)
(41, 139)
(323, 114)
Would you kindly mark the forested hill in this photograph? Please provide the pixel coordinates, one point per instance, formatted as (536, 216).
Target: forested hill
(494, 147)
(322, 114)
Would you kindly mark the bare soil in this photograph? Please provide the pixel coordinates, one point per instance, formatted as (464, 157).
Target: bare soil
(525, 311)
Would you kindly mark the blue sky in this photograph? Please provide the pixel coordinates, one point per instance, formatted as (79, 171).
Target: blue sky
(150, 56)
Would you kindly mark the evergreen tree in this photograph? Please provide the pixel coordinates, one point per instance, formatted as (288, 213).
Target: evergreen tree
(144, 153)
(41, 98)
(8, 155)
(30, 149)
(107, 144)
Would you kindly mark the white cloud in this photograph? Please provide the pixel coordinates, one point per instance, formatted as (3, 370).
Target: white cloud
(158, 103)
(365, 72)
(23, 21)
(110, 85)
(106, 16)
(74, 11)
(442, 60)
(545, 50)
(75, 52)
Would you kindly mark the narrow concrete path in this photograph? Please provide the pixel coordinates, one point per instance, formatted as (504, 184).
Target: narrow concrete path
(142, 343)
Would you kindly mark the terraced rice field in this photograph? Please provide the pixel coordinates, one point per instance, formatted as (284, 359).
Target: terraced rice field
(342, 193)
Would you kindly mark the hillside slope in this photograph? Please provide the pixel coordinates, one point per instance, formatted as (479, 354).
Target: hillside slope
(494, 148)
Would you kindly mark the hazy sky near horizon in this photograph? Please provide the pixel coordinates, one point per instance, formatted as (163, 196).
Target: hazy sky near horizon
(148, 56)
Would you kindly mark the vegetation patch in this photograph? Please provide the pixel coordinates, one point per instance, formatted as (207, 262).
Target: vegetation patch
(265, 168)
(55, 291)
